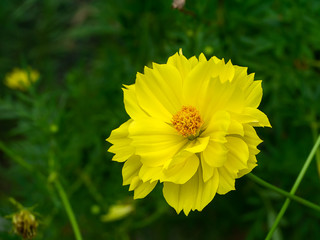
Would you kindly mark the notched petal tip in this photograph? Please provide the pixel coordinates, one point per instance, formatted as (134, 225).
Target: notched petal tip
(202, 58)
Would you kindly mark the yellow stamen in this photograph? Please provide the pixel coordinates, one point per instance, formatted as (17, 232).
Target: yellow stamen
(187, 122)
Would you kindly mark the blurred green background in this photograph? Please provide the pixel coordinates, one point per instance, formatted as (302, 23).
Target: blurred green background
(84, 52)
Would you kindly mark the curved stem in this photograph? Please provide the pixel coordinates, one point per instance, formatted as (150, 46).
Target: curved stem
(294, 188)
(16, 158)
(56, 183)
(284, 193)
(68, 209)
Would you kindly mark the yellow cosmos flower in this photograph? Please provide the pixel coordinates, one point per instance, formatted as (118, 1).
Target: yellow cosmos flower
(191, 128)
(21, 79)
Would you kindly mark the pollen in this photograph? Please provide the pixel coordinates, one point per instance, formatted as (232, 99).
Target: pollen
(187, 122)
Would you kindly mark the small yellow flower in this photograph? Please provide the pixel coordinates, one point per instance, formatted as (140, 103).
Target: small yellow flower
(117, 211)
(20, 79)
(25, 224)
(191, 128)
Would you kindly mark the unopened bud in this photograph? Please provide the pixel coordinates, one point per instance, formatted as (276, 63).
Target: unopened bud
(25, 224)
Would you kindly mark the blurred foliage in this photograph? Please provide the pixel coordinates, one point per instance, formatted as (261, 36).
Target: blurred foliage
(85, 50)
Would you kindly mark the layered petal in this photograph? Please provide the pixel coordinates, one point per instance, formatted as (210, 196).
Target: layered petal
(207, 170)
(141, 189)
(193, 195)
(121, 143)
(215, 154)
(181, 173)
(193, 147)
(252, 89)
(181, 63)
(185, 163)
(238, 153)
(158, 91)
(131, 103)
(130, 175)
(228, 175)
(196, 81)
(237, 159)
(155, 142)
(217, 127)
(180, 168)
(131, 169)
(253, 94)
(252, 140)
(225, 72)
(216, 96)
(252, 116)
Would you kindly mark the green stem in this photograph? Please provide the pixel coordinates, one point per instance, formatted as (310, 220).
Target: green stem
(294, 188)
(68, 209)
(284, 193)
(315, 129)
(56, 183)
(16, 158)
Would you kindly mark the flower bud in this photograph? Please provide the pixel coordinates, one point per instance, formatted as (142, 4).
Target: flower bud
(25, 224)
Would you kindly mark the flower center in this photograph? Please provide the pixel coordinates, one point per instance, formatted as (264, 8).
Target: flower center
(187, 122)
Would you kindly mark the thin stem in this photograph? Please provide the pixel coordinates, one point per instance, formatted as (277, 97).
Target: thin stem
(315, 128)
(16, 158)
(284, 193)
(56, 183)
(68, 209)
(294, 188)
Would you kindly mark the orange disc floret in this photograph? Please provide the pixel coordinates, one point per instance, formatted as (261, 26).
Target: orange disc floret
(187, 121)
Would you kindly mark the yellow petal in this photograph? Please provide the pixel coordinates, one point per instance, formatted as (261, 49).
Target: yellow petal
(121, 143)
(215, 154)
(131, 103)
(240, 75)
(216, 60)
(181, 63)
(120, 133)
(193, 61)
(196, 81)
(131, 169)
(193, 195)
(238, 157)
(226, 72)
(235, 128)
(143, 189)
(252, 89)
(252, 116)
(238, 153)
(227, 176)
(217, 96)
(151, 174)
(217, 127)
(155, 141)
(251, 138)
(196, 146)
(130, 175)
(181, 173)
(135, 182)
(253, 94)
(158, 91)
(252, 163)
(202, 58)
(207, 170)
